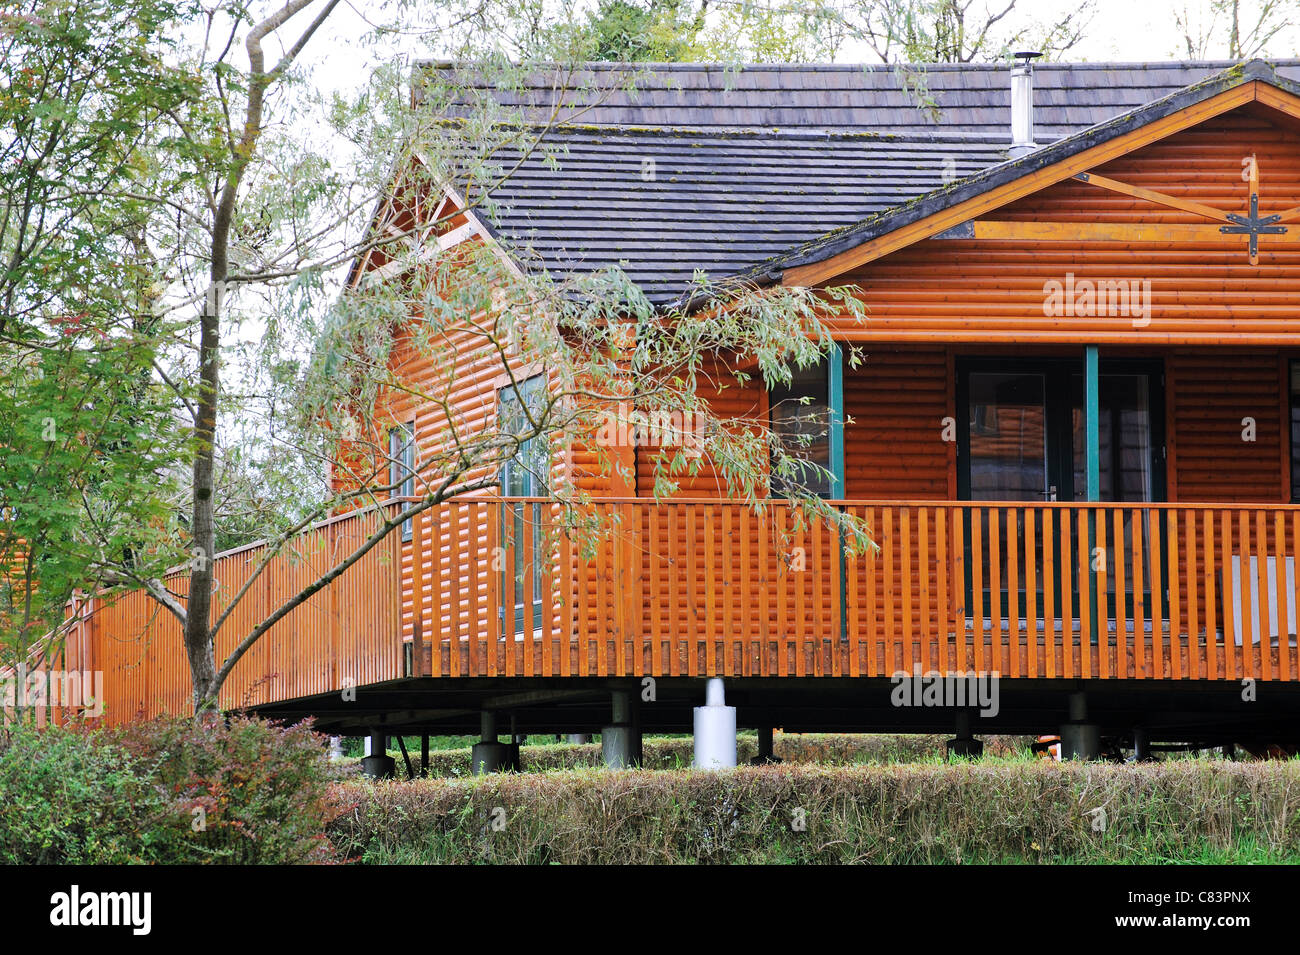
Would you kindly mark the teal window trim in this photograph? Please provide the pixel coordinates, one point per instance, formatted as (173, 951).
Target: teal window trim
(835, 399)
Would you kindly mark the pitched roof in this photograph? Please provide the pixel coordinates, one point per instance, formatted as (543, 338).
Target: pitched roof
(661, 204)
(759, 168)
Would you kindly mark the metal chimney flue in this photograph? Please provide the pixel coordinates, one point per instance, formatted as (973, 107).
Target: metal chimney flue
(1022, 105)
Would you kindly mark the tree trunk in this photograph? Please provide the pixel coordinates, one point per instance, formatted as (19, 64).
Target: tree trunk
(198, 617)
(199, 638)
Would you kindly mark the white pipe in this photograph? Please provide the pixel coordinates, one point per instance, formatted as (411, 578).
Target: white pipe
(715, 729)
(1022, 109)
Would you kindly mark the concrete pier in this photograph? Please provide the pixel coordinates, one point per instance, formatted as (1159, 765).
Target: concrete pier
(488, 755)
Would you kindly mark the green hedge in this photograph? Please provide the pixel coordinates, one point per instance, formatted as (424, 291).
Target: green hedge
(995, 811)
(834, 749)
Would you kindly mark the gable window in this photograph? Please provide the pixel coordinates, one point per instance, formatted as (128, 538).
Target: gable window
(401, 466)
(800, 418)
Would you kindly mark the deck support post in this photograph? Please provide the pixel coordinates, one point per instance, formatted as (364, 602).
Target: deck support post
(1141, 744)
(620, 742)
(578, 739)
(488, 755)
(715, 729)
(513, 763)
(377, 764)
(424, 754)
(1079, 738)
(965, 746)
(765, 752)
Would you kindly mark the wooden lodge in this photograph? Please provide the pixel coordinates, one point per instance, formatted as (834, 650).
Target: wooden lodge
(1073, 430)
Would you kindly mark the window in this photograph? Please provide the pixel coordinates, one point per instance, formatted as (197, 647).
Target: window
(800, 414)
(1007, 413)
(1295, 432)
(401, 466)
(525, 475)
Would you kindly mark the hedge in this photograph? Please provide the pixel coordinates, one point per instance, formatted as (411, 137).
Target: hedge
(994, 811)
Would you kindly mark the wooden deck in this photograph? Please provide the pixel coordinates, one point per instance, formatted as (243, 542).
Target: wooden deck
(696, 588)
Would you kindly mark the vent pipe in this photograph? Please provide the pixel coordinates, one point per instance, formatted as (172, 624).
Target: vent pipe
(1022, 105)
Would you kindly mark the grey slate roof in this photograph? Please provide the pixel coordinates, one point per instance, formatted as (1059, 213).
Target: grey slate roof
(763, 167)
(972, 99)
(719, 202)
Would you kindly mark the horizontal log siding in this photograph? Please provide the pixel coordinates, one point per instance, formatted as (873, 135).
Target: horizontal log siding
(1210, 393)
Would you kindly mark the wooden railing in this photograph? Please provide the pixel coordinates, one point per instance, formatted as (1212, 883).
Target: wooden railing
(347, 634)
(1049, 590)
(486, 587)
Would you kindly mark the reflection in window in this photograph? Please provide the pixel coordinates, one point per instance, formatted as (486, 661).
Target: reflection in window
(401, 466)
(1125, 467)
(525, 474)
(1008, 450)
(800, 414)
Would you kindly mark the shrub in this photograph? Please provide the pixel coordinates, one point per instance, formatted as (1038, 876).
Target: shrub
(250, 791)
(167, 790)
(833, 749)
(69, 797)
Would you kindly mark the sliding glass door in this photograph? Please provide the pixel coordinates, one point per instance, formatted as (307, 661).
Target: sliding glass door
(1021, 438)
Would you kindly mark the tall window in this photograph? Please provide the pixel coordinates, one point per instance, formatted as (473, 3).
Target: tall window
(800, 415)
(401, 466)
(525, 475)
(1295, 431)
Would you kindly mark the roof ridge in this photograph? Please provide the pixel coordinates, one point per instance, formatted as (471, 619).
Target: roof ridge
(676, 67)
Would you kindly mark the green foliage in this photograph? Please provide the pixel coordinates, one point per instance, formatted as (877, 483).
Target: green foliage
(258, 789)
(166, 791)
(625, 31)
(87, 438)
(74, 798)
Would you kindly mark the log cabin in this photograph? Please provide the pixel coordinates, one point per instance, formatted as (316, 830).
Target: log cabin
(1074, 431)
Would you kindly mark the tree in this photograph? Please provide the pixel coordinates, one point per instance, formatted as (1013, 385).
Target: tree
(625, 31)
(959, 31)
(86, 436)
(1231, 29)
(243, 222)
